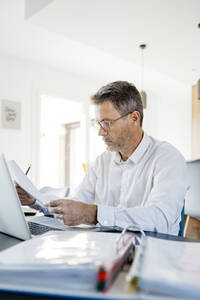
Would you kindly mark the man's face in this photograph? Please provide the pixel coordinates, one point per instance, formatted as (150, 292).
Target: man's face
(119, 133)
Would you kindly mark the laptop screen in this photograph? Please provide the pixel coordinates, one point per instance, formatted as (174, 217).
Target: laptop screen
(12, 219)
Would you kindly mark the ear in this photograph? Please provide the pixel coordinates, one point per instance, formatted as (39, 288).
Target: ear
(135, 117)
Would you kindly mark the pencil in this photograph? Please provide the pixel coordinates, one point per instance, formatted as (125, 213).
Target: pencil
(28, 170)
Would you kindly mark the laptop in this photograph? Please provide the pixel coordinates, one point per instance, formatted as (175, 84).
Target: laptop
(12, 219)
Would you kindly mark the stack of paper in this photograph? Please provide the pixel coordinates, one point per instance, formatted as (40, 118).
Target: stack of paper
(62, 261)
(167, 267)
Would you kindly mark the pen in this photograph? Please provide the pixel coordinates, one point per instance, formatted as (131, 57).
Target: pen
(28, 170)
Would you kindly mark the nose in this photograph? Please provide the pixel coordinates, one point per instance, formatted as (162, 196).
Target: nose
(102, 132)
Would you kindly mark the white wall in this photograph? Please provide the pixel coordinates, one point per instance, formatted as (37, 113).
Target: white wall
(23, 81)
(168, 113)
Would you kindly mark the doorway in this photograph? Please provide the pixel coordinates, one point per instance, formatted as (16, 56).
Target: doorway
(55, 113)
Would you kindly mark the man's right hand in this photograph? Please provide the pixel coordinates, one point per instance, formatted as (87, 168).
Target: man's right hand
(24, 197)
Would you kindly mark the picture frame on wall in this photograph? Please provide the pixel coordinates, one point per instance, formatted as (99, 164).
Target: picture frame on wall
(10, 114)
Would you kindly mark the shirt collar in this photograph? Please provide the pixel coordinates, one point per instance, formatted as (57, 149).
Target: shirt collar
(138, 153)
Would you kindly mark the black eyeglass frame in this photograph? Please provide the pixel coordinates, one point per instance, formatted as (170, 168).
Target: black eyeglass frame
(106, 125)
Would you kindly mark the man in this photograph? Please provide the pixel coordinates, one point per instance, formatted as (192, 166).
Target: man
(138, 181)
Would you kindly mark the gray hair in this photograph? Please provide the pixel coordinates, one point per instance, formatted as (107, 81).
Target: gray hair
(123, 95)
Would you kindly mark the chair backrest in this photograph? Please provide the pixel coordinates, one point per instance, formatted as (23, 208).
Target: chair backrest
(192, 199)
(181, 224)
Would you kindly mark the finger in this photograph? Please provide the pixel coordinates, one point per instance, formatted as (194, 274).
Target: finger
(56, 210)
(58, 216)
(16, 184)
(20, 191)
(24, 196)
(18, 187)
(55, 203)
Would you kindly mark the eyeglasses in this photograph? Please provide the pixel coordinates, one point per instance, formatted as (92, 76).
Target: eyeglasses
(107, 124)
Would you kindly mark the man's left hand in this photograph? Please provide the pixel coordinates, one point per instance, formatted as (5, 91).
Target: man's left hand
(74, 212)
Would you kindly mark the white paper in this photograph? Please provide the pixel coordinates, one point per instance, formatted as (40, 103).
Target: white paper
(169, 267)
(25, 183)
(66, 259)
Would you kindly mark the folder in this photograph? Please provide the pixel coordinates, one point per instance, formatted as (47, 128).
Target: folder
(165, 267)
(63, 261)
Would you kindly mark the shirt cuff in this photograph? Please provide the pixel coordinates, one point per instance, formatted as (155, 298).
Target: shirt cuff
(106, 215)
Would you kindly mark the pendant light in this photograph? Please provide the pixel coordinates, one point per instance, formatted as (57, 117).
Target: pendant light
(142, 92)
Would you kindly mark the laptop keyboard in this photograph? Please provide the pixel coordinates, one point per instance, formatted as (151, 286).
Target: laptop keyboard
(37, 229)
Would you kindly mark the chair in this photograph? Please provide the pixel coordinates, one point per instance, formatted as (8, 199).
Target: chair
(192, 200)
(182, 222)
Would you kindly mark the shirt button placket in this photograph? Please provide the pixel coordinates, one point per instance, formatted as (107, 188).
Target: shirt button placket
(123, 185)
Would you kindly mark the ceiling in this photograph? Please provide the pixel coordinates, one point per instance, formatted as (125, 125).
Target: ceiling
(98, 36)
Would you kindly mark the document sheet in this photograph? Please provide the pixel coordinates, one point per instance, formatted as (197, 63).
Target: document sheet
(25, 183)
(66, 260)
(167, 267)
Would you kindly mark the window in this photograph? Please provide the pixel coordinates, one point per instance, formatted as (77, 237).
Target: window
(62, 142)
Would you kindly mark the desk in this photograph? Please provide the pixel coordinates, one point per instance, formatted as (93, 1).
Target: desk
(117, 291)
(7, 241)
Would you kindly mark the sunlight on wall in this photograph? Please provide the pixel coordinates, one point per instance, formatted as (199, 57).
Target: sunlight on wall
(54, 113)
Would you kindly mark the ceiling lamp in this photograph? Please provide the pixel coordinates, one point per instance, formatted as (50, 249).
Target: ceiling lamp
(142, 92)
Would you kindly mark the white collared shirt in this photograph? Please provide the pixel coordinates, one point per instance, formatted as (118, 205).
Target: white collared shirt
(147, 190)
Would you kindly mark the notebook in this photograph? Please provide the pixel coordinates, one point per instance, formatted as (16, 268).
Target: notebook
(12, 219)
(166, 267)
(64, 261)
